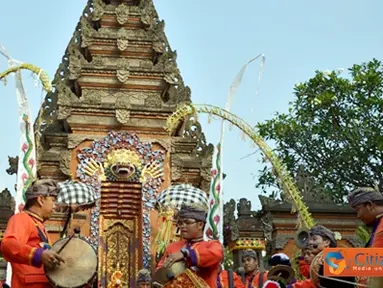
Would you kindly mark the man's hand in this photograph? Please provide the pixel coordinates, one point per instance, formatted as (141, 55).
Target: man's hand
(51, 259)
(173, 258)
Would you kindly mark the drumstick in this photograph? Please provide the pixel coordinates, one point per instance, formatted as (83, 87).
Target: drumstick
(76, 231)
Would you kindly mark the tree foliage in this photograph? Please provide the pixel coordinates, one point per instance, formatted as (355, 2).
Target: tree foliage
(333, 129)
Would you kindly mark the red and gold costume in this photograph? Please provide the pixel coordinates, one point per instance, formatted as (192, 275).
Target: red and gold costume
(223, 280)
(188, 279)
(205, 255)
(252, 281)
(304, 268)
(21, 247)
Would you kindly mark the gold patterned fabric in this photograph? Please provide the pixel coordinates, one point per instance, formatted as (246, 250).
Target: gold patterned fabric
(187, 279)
(314, 269)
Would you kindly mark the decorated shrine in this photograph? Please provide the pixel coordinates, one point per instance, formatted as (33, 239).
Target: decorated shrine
(103, 124)
(282, 224)
(243, 232)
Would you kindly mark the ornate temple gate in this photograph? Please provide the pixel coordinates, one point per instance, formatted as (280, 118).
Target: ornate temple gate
(119, 76)
(121, 230)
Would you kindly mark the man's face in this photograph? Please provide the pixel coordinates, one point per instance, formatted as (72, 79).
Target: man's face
(47, 204)
(250, 264)
(317, 244)
(190, 228)
(366, 213)
(308, 255)
(145, 285)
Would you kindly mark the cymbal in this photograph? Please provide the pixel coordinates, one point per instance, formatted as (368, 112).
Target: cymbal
(164, 275)
(281, 272)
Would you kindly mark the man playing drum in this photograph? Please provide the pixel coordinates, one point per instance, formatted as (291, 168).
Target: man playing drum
(26, 242)
(205, 255)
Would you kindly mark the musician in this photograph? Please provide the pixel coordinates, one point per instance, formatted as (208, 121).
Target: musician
(223, 280)
(206, 256)
(26, 242)
(304, 262)
(320, 238)
(254, 278)
(281, 259)
(368, 203)
(144, 279)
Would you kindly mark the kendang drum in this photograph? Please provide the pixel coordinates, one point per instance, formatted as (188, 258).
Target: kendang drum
(187, 279)
(165, 275)
(80, 265)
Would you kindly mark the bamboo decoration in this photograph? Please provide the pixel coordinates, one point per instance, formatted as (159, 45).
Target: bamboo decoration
(283, 176)
(42, 75)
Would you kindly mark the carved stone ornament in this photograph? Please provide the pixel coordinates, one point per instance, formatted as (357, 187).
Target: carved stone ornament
(159, 47)
(179, 94)
(65, 94)
(122, 39)
(13, 165)
(123, 116)
(170, 78)
(176, 170)
(75, 59)
(147, 12)
(167, 61)
(267, 223)
(92, 97)
(123, 70)
(244, 207)
(63, 112)
(122, 14)
(99, 9)
(193, 129)
(157, 30)
(229, 209)
(98, 62)
(86, 28)
(65, 159)
(133, 97)
(6, 200)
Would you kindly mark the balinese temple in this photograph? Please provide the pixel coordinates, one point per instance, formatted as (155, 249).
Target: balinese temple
(117, 84)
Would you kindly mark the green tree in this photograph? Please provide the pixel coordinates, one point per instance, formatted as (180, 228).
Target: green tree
(333, 129)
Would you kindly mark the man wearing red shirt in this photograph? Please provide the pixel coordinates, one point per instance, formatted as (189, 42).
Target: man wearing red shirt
(368, 203)
(206, 256)
(254, 278)
(223, 280)
(26, 242)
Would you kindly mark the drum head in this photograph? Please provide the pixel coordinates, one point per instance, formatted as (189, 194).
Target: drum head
(164, 275)
(80, 264)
